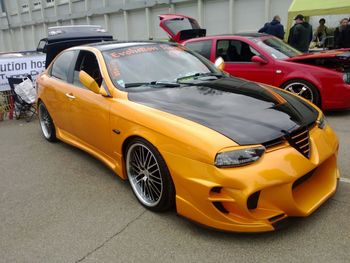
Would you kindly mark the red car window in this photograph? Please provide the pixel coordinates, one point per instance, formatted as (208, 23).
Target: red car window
(235, 51)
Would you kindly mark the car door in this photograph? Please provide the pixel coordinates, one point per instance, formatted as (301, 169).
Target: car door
(60, 91)
(90, 111)
(238, 55)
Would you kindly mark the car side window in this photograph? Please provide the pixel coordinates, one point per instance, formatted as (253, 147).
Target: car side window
(235, 51)
(87, 61)
(61, 66)
(202, 47)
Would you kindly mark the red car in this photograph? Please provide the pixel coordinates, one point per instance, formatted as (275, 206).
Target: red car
(323, 78)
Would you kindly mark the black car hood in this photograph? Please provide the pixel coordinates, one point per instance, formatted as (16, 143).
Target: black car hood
(243, 111)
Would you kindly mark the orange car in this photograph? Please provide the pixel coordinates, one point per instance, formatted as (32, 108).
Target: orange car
(227, 153)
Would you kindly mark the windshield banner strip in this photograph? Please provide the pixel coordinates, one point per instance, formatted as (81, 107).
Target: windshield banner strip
(139, 50)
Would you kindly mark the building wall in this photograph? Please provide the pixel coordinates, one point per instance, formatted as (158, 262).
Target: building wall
(27, 20)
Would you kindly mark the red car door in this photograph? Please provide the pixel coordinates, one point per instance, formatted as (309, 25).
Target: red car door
(239, 62)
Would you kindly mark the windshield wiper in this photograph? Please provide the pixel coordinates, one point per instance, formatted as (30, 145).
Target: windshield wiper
(200, 75)
(152, 83)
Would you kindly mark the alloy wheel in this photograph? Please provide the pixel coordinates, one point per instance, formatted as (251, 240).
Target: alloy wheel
(144, 174)
(301, 89)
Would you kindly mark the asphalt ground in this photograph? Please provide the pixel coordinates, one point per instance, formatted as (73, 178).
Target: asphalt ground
(59, 204)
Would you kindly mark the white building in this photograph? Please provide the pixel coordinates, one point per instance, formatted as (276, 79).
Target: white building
(24, 22)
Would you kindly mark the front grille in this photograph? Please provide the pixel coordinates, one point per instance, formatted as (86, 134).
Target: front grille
(299, 139)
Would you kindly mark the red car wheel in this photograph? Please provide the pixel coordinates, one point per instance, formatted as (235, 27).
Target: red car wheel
(304, 89)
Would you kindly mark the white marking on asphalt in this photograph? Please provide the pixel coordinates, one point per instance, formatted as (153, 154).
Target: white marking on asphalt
(344, 180)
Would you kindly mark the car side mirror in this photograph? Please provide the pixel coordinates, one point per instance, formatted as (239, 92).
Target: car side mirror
(219, 63)
(90, 83)
(259, 60)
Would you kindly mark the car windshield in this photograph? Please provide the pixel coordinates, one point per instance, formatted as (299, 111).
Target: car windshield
(154, 63)
(277, 48)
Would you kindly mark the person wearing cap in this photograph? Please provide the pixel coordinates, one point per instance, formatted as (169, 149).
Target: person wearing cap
(274, 28)
(300, 35)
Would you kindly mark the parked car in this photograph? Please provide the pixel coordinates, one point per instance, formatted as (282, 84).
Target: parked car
(323, 78)
(23, 63)
(62, 37)
(227, 153)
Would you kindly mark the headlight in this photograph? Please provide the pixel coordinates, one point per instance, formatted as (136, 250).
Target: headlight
(321, 122)
(239, 157)
(346, 77)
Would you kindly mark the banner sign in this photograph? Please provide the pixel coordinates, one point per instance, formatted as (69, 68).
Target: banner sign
(20, 66)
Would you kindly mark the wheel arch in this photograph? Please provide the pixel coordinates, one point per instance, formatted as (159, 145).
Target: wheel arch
(49, 110)
(128, 140)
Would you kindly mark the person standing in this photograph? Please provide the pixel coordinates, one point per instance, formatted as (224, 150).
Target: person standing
(274, 28)
(344, 37)
(342, 24)
(300, 35)
(321, 33)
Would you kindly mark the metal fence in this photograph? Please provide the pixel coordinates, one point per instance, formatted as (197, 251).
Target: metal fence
(6, 105)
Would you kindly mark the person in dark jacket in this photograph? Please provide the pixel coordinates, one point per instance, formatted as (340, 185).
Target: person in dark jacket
(342, 24)
(300, 35)
(274, 28)
(344, 37)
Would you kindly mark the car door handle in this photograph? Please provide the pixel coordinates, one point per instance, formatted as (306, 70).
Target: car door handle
(70, 95)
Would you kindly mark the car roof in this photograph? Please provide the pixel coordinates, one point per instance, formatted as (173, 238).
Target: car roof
(110, 45)
(245, 34)
(63, 33)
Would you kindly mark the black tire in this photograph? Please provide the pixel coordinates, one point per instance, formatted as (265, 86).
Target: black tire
(46, 123)
(304, 89)
(149, 176)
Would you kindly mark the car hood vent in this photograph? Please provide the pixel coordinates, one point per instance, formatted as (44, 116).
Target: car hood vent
(299, 139)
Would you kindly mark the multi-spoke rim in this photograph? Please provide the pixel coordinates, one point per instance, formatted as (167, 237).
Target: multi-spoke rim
(45, 121)
(301, 89)
(144, 174)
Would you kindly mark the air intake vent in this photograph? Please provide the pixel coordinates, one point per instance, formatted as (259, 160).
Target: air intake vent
(273, 143)
(299, 139)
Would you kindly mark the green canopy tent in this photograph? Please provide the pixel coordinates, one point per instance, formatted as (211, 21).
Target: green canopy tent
(316, 8)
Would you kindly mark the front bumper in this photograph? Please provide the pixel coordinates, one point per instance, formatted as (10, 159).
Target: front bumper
(337, 97)
(256, 197)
